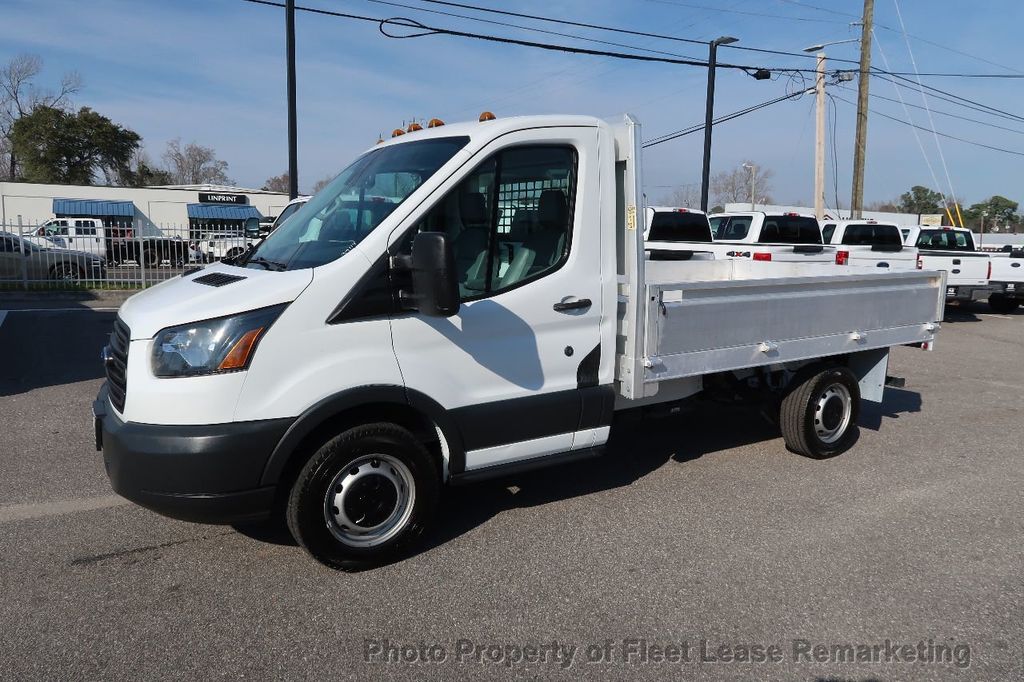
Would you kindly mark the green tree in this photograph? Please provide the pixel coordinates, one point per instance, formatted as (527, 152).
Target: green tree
(278, 183)
(921, 200)
(996, 210)
(56, 146)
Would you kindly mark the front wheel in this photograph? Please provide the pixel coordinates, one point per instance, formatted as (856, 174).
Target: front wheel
(1001, 303)
(818, 416)
(364, 498)
(67, 273)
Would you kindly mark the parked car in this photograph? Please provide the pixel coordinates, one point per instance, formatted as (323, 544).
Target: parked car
(373, 350)
(20, 257)
(869, 243)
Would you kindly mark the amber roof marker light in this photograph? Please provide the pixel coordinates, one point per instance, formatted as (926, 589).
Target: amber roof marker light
(487, 116)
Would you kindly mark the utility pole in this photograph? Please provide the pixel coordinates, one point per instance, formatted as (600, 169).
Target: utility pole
(293, 160)
(861, 141)
(819, 140)
(709, 115)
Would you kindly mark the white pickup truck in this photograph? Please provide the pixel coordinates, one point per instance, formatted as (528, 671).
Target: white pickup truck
(1007, 276)
(869, 243)
(755, 235)
(675, 233)
(951, 249)
(344, 372)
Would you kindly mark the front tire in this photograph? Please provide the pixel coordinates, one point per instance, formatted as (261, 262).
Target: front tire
(1001, 303)
(364, 498)
(818, 415)
(67, 273)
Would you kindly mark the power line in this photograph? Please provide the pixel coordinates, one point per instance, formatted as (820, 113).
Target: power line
(956, 98)
(505, 24)
(690, 5)
(667, 137)
(949, 114)
(951, 137)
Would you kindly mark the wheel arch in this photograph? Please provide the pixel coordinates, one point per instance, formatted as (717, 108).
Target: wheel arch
(418, 413)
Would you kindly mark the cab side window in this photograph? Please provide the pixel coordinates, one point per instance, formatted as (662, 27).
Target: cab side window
(510, 221)
(826, 232)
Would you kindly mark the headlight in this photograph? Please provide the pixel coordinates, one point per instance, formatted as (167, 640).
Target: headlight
(225, 344)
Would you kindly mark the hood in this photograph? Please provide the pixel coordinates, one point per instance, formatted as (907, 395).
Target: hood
(182, 300)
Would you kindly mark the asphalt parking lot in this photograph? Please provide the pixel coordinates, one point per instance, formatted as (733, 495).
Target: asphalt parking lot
(698, 529)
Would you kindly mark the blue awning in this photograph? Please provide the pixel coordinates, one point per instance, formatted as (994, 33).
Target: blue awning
(222, 212)
(98, 207)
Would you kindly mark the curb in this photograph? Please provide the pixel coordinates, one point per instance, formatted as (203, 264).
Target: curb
(92, 298)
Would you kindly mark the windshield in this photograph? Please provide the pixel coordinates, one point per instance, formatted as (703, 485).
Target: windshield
(730, 228)
(677, 226)
(352, 205)
(790, 229)
(867, 234)
(287, 213)
(945, 239)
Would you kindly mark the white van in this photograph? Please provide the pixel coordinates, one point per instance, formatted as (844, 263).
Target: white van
(77, 234)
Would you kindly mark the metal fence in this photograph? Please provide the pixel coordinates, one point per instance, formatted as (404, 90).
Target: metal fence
(87, 253)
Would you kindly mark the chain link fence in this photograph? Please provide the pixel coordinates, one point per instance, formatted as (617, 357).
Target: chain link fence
(85, 253)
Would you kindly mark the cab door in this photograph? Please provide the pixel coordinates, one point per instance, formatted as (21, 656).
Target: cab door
(516, 368)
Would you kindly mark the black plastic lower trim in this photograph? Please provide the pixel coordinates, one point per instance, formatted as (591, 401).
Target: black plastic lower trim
(208, 473)
(512, 468)
(518, 419)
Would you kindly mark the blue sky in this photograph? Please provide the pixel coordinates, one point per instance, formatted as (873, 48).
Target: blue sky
(213, 71)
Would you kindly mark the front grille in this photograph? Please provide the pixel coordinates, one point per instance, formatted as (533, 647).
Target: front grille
(117, 365)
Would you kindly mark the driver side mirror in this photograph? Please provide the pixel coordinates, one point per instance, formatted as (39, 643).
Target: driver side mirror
(252, 228)
(435, 288)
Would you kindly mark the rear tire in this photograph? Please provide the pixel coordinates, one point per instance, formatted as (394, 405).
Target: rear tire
(1001, 303)
(67, 273)
(818, 416)
(364, 498)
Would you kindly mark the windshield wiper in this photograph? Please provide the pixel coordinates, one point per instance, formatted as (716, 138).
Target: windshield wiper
(268, 264)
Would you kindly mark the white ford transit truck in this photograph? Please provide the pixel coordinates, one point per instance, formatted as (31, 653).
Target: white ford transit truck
(463, 302)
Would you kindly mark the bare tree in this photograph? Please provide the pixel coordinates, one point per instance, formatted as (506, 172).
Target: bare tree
(734, 186)
(194, 164)
(321, 183)
(20, 96)
(684, 196)
(278, 183)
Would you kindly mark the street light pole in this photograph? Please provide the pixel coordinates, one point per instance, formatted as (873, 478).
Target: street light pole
(753, 184)
(819, 140)
(709, 115)
(293, 160)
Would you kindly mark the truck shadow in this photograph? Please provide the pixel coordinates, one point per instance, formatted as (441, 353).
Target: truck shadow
(634, 451)
(896, 402)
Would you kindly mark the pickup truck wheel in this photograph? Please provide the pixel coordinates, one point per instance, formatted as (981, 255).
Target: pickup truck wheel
(364, 497)
(234, 253)
(67, 273)
(1000, 303)
(151, 258)
(818, 415)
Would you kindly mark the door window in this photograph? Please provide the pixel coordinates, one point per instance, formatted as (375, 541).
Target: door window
(826, 233)
(7, 245)
(509, 221)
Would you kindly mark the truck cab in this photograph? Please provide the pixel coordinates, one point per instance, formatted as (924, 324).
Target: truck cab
(464, 302)
(756, 235)
(952, 250)
(677, 233)
(79, 234)
(869, 243)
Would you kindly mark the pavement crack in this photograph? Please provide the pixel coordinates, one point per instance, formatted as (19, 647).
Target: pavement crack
(97, 558)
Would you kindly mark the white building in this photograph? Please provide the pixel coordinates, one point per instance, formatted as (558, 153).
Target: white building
(149, 210)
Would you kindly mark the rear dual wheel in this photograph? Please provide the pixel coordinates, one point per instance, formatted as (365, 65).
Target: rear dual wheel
(819, 413)
(364, 498)
(1001, 303)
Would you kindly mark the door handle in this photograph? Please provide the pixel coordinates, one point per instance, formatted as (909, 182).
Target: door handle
(956, 261)
(578, 304)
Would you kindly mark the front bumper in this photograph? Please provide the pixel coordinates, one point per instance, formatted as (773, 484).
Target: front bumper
(205, 473)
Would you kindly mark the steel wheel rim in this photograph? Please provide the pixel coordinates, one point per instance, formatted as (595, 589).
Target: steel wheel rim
(370, 500)
(832, 413)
